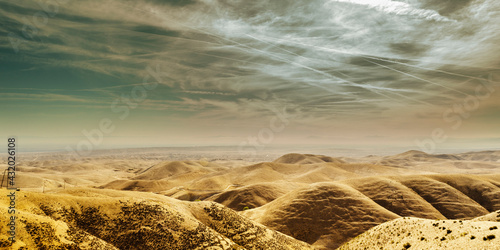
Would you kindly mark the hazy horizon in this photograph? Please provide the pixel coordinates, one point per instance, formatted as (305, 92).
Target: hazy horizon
(233, 152)
(385, 76)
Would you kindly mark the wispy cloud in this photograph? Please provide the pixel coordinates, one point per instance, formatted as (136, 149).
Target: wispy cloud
(399, 8)
(327, 60)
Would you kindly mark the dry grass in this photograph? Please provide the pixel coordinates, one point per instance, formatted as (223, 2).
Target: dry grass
(321, 200)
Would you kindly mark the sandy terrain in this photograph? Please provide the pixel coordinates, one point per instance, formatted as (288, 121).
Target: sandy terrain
(416, 233)
(95, 219)
(182, 199)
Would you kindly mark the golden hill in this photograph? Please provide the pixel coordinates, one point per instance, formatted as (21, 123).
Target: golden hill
(331, 213)
(295, 158)
(415, 233)
(103, 219)
(468, 163)
(494, 216)
(254, 195)
(324, 214)
(320, 200)
(193, 176)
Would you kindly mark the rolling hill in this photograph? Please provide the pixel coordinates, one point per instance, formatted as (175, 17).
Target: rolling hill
(297, 201)
(103, 219)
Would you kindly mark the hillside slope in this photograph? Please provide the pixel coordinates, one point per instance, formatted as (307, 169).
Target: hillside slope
(329, 214)
(415, 233)
(104, 219)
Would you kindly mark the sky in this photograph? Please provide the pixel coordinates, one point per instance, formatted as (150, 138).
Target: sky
(381, 74)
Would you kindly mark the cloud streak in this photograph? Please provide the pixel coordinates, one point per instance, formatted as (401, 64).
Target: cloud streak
(327, 60)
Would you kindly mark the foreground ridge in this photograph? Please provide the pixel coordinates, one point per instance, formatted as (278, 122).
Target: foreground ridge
(105, 219)
(415, 233)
